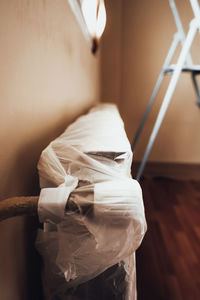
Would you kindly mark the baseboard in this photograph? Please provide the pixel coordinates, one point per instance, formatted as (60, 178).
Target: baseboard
(170, 170)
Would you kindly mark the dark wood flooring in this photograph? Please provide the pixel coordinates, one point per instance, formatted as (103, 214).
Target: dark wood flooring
(168, 261)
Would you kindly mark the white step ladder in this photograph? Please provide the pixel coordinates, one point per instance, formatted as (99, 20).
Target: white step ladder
(184, 64)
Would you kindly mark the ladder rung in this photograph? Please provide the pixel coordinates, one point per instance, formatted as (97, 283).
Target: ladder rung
(193, 68)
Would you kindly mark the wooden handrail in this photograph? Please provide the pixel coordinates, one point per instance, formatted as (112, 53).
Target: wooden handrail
(18, 206)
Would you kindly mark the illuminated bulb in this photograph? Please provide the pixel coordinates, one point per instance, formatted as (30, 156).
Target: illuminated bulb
(101, 20)
(94, 14)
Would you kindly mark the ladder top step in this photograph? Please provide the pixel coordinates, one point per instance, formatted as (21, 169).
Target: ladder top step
(192, 68)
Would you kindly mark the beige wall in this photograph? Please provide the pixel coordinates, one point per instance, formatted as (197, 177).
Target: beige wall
(111, 48)
(48, 77)
(135, 44)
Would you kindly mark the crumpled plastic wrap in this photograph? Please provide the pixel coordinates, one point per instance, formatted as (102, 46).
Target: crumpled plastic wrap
(92, 210)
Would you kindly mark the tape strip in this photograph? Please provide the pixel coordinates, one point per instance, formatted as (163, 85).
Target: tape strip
(52, 201)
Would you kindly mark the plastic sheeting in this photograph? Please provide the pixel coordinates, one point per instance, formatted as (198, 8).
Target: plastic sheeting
(92, 210)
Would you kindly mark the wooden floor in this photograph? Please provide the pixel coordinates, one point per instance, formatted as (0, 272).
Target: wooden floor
(168, 261)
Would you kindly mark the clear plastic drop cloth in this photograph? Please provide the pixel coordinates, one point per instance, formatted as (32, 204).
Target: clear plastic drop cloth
(91, 209)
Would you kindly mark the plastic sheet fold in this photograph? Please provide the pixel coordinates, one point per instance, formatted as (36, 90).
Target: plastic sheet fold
(92, 209)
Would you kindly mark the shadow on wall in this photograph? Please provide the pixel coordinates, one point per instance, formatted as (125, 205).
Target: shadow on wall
(111, 44)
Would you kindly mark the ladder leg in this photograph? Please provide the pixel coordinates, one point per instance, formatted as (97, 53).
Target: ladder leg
(157, 86)
(169, 93)
(179, 28)
(151, 101)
